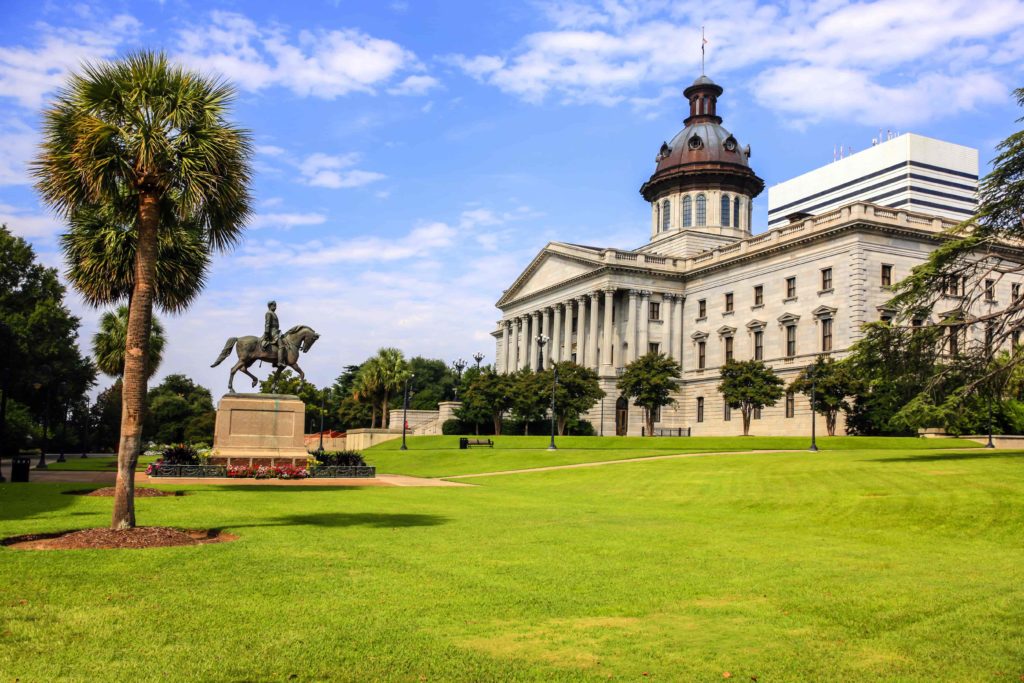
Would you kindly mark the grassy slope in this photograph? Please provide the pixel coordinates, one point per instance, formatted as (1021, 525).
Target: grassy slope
(843, 566)
(94, 463)
(439, 456)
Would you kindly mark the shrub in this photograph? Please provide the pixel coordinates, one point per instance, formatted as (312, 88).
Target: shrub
(339, 459)
(583, 428)
(454, 426)
(180, 454)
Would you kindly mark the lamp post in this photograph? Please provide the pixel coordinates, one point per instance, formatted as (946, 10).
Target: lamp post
(5, 333)
(323, 393)
(41, 386)
(405, 411)
(459, 366)
(601, 421)
(478, 356)
(554, 383)
(62, 388)
(814, 378)
(541, 341)
(990, 443)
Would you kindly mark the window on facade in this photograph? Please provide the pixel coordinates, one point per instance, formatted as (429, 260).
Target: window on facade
(886, 275)
(702, 355)
(702, 210)
(687, 211)
(790, 404)
(702, 308)
(990, 290)
(653, 347)
(700, 409)
(726, 412)
(759, 295)
(790, 340)
(826, 334)
(953, 340)
(757, 413)
(654, 310)
(1015, 338)
(826, 278)
(736, 212)
(728, 302)
(666, 214)
(990, 335)
(750, 214)
(758, 345)
(1015, 291)
(954, 285)
(725, 210)
(790, 287)
(728, 349)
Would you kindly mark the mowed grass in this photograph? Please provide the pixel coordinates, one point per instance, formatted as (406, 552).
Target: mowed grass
(94, 463)
(857, 565)
(439, 456)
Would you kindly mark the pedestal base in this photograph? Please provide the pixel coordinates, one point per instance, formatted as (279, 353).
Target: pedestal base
(259, 429)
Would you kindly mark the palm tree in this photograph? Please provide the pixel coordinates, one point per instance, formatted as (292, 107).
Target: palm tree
(393, 371)
(148, 141)
(109, 343)
(367, 387)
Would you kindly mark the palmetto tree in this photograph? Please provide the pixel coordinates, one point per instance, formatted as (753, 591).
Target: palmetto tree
(148, 141)
(368, 387)
(393, 371)
(108, 344)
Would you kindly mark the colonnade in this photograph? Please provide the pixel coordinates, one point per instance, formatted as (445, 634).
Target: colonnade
(598, 340)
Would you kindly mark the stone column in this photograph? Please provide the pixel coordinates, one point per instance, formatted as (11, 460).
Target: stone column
(582, 342)
(631, 330)
(645, 310)
(595, 303)
(607, 342)
(524, 338)
(567, 342)
(668, 339)
(549, 347)
(504, 346)
(534, 331)
(513, 364)
(556, 338)
(679, 327)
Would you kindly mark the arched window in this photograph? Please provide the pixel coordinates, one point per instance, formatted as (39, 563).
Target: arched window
(725, 210)
(666, 214)
(657, 214)
(687, 211)
(702, 210)
(750, 215)
(736, 212)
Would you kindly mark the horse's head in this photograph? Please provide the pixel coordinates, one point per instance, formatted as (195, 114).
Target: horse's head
(308, 339)
(302, 336)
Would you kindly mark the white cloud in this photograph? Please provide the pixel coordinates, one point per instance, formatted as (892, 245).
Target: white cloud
(29, 225)
(286, 221)
(335, 171)
(803, 54)
(324, 64)
(17, 145)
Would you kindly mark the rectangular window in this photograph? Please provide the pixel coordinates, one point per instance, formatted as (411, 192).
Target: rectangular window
(757, 413)
(759, 345)
(790, 340)
(654, 347)
(726, 412)
(702, 348)
(1015, 291)
(728, 349)
(728, 302)
(886, 275)
(953, 340)
(700, 409)
(990, 335)
(759, 295)
(826, 278)
(654, 310)
(702, 308)
(790, 287)
(826, 334)
(990, 290)
(1015, 337)
(790, 404)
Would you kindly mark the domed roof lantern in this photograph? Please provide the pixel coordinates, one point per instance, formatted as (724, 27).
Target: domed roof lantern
(703, 96)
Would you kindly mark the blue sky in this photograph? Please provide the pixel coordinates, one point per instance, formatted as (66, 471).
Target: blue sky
(414, 156)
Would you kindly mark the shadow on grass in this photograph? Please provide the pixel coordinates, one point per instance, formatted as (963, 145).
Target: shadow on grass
(25, 501)
(349, 519)
(972, 455)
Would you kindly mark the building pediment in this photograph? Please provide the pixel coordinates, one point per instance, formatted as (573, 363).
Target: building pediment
(824, 312)
(756, 325)
(726, 331)
(550, 267)
(699, 336)
(788, 319)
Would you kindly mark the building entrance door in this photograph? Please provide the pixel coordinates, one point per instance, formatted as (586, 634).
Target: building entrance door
(621, 416)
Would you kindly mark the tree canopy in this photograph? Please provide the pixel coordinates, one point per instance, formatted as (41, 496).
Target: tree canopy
(650, 381)
(749, 385)
(833, 386)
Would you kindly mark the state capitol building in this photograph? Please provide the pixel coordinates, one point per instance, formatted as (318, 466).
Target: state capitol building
(705, 289)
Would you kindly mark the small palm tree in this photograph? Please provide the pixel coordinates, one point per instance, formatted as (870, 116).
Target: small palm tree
(368, 388)
(148, 141)
(393, 371)
(108, 344)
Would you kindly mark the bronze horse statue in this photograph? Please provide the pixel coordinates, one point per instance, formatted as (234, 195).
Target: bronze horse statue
(297, 340)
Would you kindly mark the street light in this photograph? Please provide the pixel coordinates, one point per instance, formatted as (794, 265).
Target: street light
(478, 356)
(459, 366)
(554, 383)
(62, 388)
(541, 341)
(405, 411)
(990, 444)
(814, 378)
(320, 450)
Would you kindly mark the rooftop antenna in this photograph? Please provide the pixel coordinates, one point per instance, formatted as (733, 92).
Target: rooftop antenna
(703, 42)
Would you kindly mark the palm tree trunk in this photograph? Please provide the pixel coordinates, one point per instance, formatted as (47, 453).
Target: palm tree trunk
(385, 412)
(133, 389)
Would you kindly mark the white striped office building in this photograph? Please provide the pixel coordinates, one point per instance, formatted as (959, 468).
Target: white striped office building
(907, 172)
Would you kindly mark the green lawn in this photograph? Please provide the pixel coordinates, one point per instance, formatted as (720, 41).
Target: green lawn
(439, 456)
(103, 463)
(856, 565)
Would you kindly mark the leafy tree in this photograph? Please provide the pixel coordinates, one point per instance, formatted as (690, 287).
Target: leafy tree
(392, 371)
(148, 141)
(179, 411)
(105, 417)
(650, 381)
(108, 344)
(749, 385)
(368, 388)
(349, 412)
(488, 396)
(833, 386)
(530, 396)
(435, 382)
(576, 392)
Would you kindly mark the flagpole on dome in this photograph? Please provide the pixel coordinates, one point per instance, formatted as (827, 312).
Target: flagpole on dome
(703, 42)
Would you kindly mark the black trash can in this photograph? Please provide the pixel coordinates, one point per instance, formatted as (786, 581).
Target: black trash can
(463, 443)
(20, 466)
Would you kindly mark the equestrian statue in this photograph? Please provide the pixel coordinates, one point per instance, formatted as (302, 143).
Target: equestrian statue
(282, 350)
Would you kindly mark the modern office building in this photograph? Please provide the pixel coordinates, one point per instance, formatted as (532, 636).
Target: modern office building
(907, 172)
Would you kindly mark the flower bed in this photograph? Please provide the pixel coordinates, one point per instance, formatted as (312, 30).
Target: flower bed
(266, 472)
(162, 469)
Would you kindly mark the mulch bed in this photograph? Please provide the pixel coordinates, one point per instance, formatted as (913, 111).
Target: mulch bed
(139, 537)
(108, 492)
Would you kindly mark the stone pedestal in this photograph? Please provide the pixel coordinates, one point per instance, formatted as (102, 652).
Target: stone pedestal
(260, 429)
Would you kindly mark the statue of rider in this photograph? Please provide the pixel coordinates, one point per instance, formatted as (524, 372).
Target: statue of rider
(272, 333)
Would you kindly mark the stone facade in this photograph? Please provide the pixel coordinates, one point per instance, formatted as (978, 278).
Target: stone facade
(260, 429)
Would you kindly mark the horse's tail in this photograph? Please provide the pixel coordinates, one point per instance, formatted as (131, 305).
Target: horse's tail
(227, 349)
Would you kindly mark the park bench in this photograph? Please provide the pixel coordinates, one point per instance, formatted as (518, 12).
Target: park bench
(465, 443)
